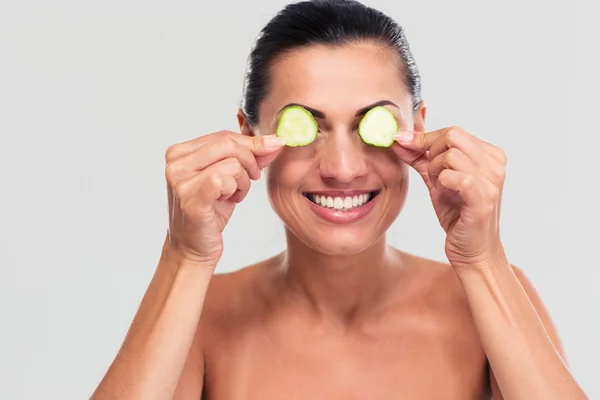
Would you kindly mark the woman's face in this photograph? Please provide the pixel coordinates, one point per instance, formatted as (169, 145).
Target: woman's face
(317, 190)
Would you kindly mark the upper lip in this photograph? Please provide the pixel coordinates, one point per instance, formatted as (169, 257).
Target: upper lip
(341, 193)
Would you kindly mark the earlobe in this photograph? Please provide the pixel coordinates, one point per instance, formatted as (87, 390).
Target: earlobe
(245, 128)
(419, 124)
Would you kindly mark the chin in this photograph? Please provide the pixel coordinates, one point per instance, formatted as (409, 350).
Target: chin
(341, 242)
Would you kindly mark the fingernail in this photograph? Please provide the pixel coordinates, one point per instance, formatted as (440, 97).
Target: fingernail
(405, 137)
(273, 142)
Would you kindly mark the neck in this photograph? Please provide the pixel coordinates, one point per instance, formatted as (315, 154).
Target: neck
(342, 286)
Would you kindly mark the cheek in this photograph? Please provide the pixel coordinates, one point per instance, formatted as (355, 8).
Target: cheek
(396, 178)
(391, 170)
(288, 171)
(401, 171)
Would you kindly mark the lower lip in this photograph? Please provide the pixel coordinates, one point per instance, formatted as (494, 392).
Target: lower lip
(340, 216)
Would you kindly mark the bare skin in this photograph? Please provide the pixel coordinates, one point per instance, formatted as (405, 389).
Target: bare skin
(414, 340)
(339, 314)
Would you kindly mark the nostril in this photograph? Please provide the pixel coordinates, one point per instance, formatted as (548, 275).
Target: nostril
(343, 167)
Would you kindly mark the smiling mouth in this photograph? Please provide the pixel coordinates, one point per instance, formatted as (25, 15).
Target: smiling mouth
(342, 202)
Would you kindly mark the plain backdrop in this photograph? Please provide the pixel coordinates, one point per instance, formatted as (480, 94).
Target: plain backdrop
(92, 93)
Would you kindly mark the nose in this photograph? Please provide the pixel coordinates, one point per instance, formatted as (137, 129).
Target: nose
(343, 157)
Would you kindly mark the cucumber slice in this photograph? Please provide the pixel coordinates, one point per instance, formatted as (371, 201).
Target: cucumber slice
(297, 126)
(378, 127)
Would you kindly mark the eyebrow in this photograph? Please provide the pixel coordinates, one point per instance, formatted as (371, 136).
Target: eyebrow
(364, 110)
(314, 112)
(359, 113)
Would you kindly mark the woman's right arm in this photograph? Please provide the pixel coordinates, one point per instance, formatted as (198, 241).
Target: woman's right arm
(158, 344)
(161, 356)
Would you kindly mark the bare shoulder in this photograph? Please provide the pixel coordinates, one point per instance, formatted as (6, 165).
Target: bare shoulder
(440, 285)
(435, 279)
(437, 299)
(449, 288)
(236, 297)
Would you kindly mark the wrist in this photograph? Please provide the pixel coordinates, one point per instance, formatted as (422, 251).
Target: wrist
(494, 259)
(489, 269)
(176, 260)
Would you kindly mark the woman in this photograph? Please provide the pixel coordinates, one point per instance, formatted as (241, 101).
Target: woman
(340, 314)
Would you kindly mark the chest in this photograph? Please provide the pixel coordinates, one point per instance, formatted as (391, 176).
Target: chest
(419, 362)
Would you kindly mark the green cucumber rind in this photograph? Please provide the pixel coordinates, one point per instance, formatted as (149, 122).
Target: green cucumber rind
(291, 141)
(365, 135)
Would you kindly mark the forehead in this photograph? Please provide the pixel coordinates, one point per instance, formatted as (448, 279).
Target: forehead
(338, 80)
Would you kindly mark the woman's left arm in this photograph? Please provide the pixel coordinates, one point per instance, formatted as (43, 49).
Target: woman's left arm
(465, 177)
(521, 343)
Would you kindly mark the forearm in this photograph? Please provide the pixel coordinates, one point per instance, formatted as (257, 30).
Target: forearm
(157, 345)
(524, 360)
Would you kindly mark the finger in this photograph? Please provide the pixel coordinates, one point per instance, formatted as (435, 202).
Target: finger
(417, 140)
(493, 151)
(473, 148)
(486, 157)
(239, 195)
(231, 186)
(416, 159)
(453, 159)
(462, 183)
(242, 183)
(480, 196)
(189, 164)
(236, 178)
(422, 141)
(458, 138)
(201, 191)
(258, 145)
(261, 145)
(220, 181)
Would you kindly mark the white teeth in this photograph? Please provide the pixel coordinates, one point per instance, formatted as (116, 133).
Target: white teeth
(338, 203)
(341, 203)
(348, 202)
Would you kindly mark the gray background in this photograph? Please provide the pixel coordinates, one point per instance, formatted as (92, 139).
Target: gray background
(92, 93)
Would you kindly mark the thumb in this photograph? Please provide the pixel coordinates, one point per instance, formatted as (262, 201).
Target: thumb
(264, 145)
(418, 141)
(265, 148)
(260, 145)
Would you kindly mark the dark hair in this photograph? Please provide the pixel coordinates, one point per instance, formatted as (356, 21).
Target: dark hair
(324, 22)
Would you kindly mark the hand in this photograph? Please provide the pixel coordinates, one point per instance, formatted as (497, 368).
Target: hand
(206, 177)
(465, 178)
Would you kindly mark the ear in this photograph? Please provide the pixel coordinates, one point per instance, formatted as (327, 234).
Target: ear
(245, 128)
(419, 123)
